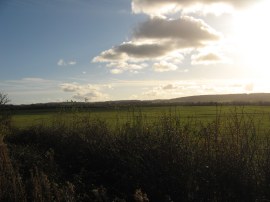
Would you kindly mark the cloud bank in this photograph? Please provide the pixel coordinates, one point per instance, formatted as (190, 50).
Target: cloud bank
(163, 7)
(163, 41)
(174, 89)
(160, 41)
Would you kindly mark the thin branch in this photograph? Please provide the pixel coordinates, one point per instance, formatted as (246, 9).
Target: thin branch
(4, 99)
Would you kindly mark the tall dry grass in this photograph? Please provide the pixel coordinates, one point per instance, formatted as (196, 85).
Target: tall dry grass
(11, 186)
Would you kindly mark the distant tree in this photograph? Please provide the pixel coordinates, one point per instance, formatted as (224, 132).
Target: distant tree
(4, 99)
(5, 116)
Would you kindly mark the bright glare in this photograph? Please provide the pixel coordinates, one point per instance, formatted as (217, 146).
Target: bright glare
(252, 34)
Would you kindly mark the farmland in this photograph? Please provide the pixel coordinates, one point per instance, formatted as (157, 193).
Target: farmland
(203, 114)
(136, 153)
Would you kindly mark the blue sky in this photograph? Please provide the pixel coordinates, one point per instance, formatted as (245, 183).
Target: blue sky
(87, 50)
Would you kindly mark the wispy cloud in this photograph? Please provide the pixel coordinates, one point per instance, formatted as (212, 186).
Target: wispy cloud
(31, 90)
(208, 58)
(85, 92)
(31, 81)
(72, 62)
(62, 62)
(164, 66)
(119, 67)
(196, 87)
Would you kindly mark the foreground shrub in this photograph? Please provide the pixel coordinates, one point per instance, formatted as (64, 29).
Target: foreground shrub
(11, 187)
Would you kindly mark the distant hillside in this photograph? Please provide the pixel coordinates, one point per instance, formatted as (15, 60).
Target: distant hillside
(224, 98)
(254, 98)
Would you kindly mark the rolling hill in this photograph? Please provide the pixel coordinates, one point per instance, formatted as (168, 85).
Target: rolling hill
(224, 98)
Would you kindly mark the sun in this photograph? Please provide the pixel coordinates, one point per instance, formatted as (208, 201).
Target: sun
(252, 38)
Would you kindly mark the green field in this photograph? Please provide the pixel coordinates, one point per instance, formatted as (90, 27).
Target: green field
(203, 114)
(161, 153)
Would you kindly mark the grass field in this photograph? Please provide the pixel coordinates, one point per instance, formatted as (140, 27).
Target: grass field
(203, 114)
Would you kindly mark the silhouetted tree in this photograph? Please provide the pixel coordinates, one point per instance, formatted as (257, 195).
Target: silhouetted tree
(5, 115)
(4, 99)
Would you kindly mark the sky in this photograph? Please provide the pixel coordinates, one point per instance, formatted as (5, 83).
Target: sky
(88, 50)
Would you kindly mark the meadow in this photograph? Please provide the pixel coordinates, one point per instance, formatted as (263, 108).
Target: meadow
(121, 154)
(113, 116)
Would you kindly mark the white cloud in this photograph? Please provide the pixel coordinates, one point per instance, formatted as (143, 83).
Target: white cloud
(90, 96)
(62, 62)
(249, 87)
(159, 37)
(133, 51)
(169, 87)
(70, 87)
(167, 91)
(72, 62)
(164, 66)
(120, 67)
(162, 7)
(168, 30)
(185, 32)
(86, 92)
(157, 40)
(208, 58)
(116, 71)
(161, 41)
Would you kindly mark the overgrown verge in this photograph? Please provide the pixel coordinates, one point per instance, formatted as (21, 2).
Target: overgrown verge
(168, 160)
